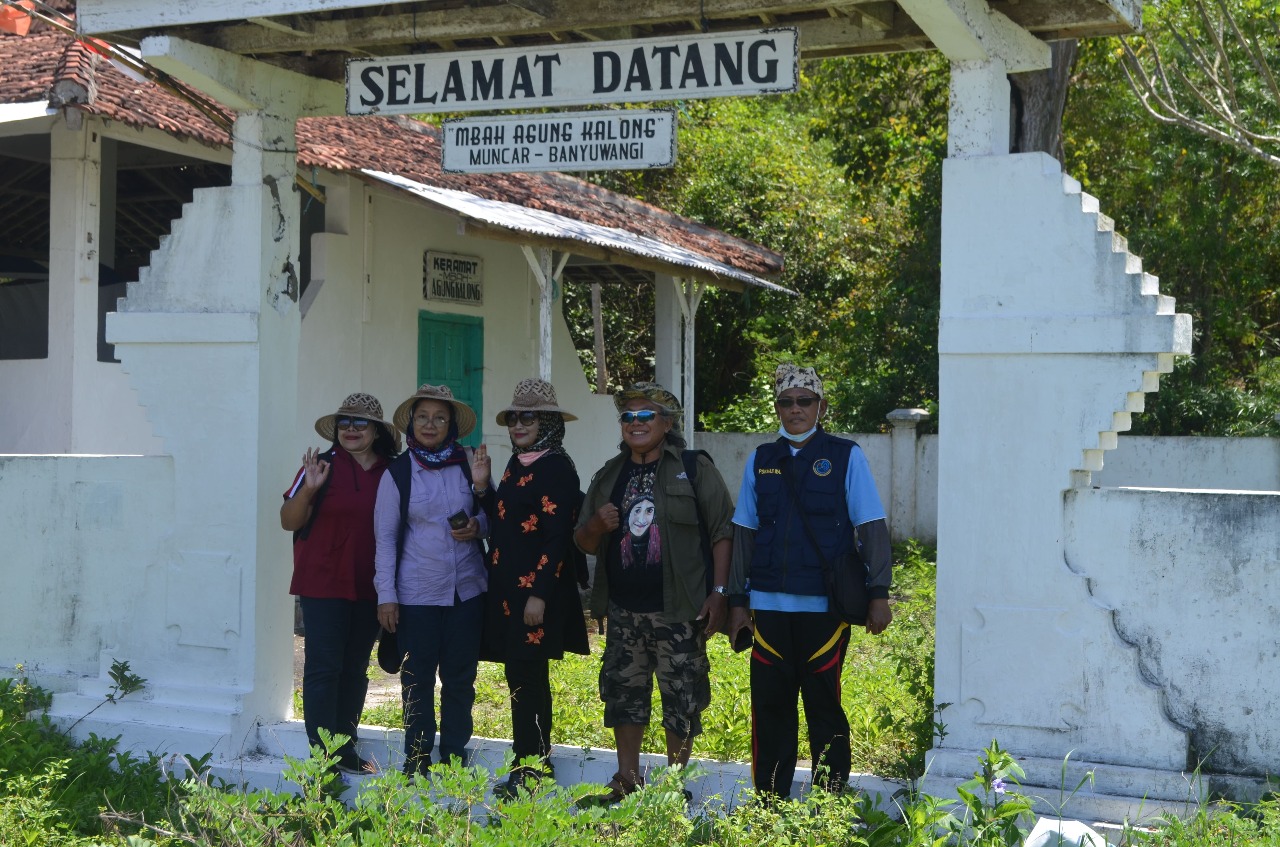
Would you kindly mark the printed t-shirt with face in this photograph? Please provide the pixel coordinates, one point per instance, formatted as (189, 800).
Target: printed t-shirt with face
(635, 547)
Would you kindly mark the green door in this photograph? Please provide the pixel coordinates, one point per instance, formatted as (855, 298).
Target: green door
(451, 352)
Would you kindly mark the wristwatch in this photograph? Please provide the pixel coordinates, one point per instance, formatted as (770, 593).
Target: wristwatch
(722, 590)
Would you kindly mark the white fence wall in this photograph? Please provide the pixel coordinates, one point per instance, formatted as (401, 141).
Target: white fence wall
(1197, 464)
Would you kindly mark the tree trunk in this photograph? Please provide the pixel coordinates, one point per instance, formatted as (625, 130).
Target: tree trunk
(1038, 100)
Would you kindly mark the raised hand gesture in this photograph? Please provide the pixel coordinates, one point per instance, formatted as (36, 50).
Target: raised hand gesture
(481, 468)
(317, 470)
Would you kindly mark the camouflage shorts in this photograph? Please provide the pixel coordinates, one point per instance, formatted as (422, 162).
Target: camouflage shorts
(639, 646)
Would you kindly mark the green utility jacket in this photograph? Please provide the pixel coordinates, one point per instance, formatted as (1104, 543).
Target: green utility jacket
(684, 572)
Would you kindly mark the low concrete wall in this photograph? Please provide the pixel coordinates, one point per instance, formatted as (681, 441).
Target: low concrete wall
(909, 492)
(1198, 464)
(1224, 464)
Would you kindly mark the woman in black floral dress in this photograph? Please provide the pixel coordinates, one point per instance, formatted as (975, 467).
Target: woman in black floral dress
(534, 611)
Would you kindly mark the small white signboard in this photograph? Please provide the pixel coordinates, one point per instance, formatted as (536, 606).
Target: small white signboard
(625, 139)
(686, 67)
(451, 277)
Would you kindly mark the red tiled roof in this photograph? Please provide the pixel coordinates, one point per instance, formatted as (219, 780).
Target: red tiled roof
(47, 64)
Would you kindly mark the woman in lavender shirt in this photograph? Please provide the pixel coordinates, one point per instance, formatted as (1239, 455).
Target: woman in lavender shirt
(429, 569)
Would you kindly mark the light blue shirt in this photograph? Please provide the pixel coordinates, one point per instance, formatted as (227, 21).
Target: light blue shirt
(862, 500)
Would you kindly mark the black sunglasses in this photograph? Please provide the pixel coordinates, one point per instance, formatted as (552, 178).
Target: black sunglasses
(526, 418)
(358, 424)
(802, 402)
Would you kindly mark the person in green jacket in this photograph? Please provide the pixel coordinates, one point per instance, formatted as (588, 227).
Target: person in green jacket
(640, 520)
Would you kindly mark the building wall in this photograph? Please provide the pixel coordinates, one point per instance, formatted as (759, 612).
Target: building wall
(342, 352)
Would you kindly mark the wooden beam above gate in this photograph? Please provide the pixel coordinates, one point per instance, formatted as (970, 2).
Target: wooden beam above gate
(313, 37)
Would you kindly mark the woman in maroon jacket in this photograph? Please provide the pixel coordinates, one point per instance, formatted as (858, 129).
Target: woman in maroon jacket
(329, 509)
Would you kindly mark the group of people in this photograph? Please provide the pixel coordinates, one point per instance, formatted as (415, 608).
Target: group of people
(426, 547)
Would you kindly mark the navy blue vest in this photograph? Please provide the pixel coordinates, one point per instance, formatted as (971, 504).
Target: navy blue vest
(785, 559)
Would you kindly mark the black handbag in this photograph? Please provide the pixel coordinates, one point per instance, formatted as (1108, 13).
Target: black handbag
(389, 656)
(845, 578)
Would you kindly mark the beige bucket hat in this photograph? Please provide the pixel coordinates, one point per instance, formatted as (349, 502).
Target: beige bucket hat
(534, 395)
(358, 405)
(462, 413)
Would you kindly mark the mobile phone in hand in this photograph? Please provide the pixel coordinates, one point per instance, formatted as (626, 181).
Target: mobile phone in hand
(459, 519)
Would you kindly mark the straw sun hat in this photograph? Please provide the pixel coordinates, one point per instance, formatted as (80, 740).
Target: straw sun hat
(358, 405)
(463, 414)
(534, 395)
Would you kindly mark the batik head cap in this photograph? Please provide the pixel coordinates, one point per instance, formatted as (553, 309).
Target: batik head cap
(654, 393)
(794, 376)
(650, 391)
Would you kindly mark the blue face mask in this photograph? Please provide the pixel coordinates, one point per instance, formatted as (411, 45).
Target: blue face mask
(804, 436)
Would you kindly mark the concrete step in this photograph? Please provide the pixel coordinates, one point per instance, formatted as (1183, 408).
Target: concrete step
(719, 785)
(1094, 792)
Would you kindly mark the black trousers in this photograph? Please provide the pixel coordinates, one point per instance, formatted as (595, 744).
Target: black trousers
(530, 685)
(798, 655)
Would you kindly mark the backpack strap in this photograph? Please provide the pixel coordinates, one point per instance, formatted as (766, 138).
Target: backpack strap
(316, 499)
(689, 458)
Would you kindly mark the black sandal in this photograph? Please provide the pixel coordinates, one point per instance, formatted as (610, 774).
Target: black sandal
(616, 791)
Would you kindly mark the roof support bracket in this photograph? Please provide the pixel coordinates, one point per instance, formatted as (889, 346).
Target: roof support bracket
(540, 263)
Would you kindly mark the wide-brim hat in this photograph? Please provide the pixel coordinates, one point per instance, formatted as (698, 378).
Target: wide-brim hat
(534, 395)
(463, 414)
(358, 405)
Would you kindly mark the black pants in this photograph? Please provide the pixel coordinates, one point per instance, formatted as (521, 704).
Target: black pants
(442, 640)
(797, 654)
(335, 665)
(530, 686)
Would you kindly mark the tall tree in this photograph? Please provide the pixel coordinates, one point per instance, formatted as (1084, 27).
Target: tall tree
(1209, 67)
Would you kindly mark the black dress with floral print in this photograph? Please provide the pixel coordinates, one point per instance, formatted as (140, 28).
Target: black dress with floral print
(531, 520)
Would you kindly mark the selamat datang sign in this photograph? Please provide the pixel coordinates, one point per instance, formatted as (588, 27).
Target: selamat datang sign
(685, 67)
(620, 139)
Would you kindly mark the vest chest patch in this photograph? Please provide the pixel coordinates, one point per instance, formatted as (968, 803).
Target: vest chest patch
(822, 467)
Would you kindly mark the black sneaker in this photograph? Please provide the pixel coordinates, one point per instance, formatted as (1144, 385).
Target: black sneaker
(522, 777)
(417, 765)
(350, 762)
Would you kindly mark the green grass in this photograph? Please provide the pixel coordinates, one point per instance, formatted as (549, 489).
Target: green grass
(887, 689)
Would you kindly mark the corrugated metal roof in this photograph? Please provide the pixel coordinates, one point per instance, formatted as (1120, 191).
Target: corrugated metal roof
(548, 225)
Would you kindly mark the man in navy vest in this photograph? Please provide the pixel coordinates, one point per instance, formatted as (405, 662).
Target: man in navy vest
(799, 646)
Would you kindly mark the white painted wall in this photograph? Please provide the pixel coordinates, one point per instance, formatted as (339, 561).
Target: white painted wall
(74, 597)
(1049, 335)
(1191, 580)
(1229, 464)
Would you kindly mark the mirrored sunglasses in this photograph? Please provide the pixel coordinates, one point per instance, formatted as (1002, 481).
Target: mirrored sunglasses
(643, 416)
(526, 418)
(802, 402)
(358, 424)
